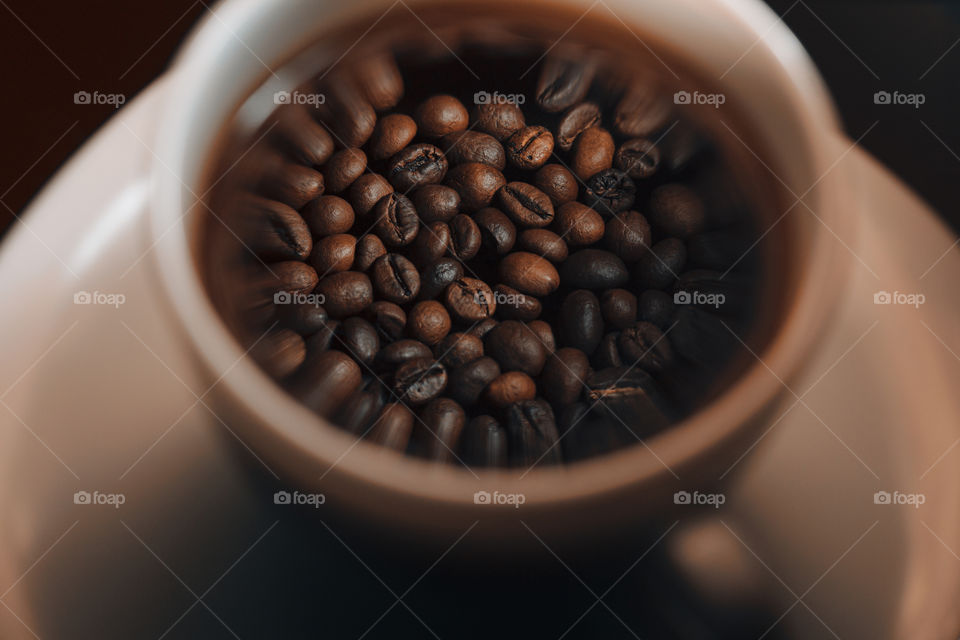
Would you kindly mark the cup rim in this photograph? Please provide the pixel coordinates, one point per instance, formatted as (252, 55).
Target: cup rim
(291, 427)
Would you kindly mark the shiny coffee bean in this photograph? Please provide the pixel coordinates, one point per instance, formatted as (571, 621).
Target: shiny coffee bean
(581, 321)
(388, 318)
(293, 276)
(465, 238)
(532, 434)
(619, 308)
(575, 121)
(431, 244)
(578, 224)
(334, 253)
(473, 146)
(563, 376)
(328, 215)
(510, 387)
(610, 191)
(395, 354)
(439, 115)
(348, 112)
(526, 204)
(476, 183)
(529, 147)
(645, 346)
(358, 339)
(639, 158)
(511, 304)
(529, 273)
(273, 230)
(280, 352)
(343, 168)
(516, 347)
(470, 300)
(395, 278)
(498, 234)
(365, 192)
(660, 267)
(436, 203)
(500, 120)
(445, 419)
(397, 222)
(292, 184)
(642, 110)
(369, 249)
(483, 327)
(419, 381)
(592, 152)
(629, 397)
(345, 294)
(564, 80)
(557, 182)
(301, 136)
(304, 318)
(380, 81)
(594, 269)
(468, 381)
(359, 412)
(628, 235)
(485, 442)
(417, 165)
(656, 307)
(545, 243)
(607, 353)
(393, 427)
(545, 334)
(676, 211)
(322, 338)
(438, 276)
(391, 135)
(428, 322)
(458, 349)
(325, 380)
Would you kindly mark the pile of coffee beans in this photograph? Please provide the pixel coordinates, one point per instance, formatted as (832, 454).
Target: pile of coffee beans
(493, 276)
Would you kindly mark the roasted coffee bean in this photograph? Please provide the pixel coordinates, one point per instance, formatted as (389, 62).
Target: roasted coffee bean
(395, 278)
(511, 304)
(345, 294)
(280, 352)
(417, 165)
(594, 269)
(431, 244)
(526, 204)
(588, 433)
(391, 135)
(469, 380)
(641, 111)
(645, 346)
(700, 337)
(419, 381)
(325, 380)
(619, 308)
(273, 230)
(457, 349)
(497, 232)
(292, 184)
(323, 338)
(563, 376)
(436, 203)
(499, 119)
(574, 122)
(660, 267)
(334, 253)
(610, 191)
(557, 182)
(630, 397)
(529, 273)
(639, 158)
(397, 222)
(328, 215)
(476, 183)
(445, 419)
(393, 427)
(529, 147)
(628, 235)
(358, 413)
(358, 339)
(545, 333)
(301, 136)
(482, 328)
(347, 111)
(400, 352)
(369, 248)
(676, 211)
(388, 318)
(564, 80)
(578, 224)
(473, 146)
(532, 434)
(544, 243)
(485, 442)
(380, 81)
(655, 306)
(464, 237)
(293, 276)
(515, 347)
(470, 300)
(343, 168)
(607, 353)
(510, 387)
(592, 152)
(581, 321)
(304, 318)
(365, 192)
(438, 276)
(428, 322)
(440, 115)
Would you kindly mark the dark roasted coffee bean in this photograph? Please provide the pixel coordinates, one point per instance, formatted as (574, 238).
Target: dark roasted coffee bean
(359, 412)
(610, 191)
(428, 322)
(545, 333)
(280, 352)
(396, 223)
(543, 242)
(417, 165)
(393, 427)
(380, 81)
(482, 328)
(594, 269)
(645, 346)
(557, 182)
(438, 276)
(470, 300)
(323, 338)
(365, 192)
(607, 353)
(358, 339)
(345, 294)
(304, 318)
(515, 347)
(701, 337)
(302, 136)
(564, 80)
(472, 146)
(369, 248)
(273, 230)
(500, 120)
(292, 184)
(581, 322)
(628, 235)
(592, 152)
(660, 267)
(395, 278)
(511, 304)
(639, 158)
(469, 380)
(578, 224)
(532, 434)
(464, 237)
(676, 211)
(402, 351)
(588, 433)
(391, 135)
(294, 277)
(619, 308)
(457, 349)
(347, 111)
(343, 168)
(476, 183)
(328, 215)
(510, 387)
(445, 419)
(529, 147)
(642, 110)
(431, 244)
(526, 204)
(564, 375)
(439, 115)
(655, 306)
(436, 203)
(529, 273)
(630, 397)
(334, 253)
(419, 381)
(325, 380)
(388, 318)
(497, 232)
(574, 122)
(485, 442)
